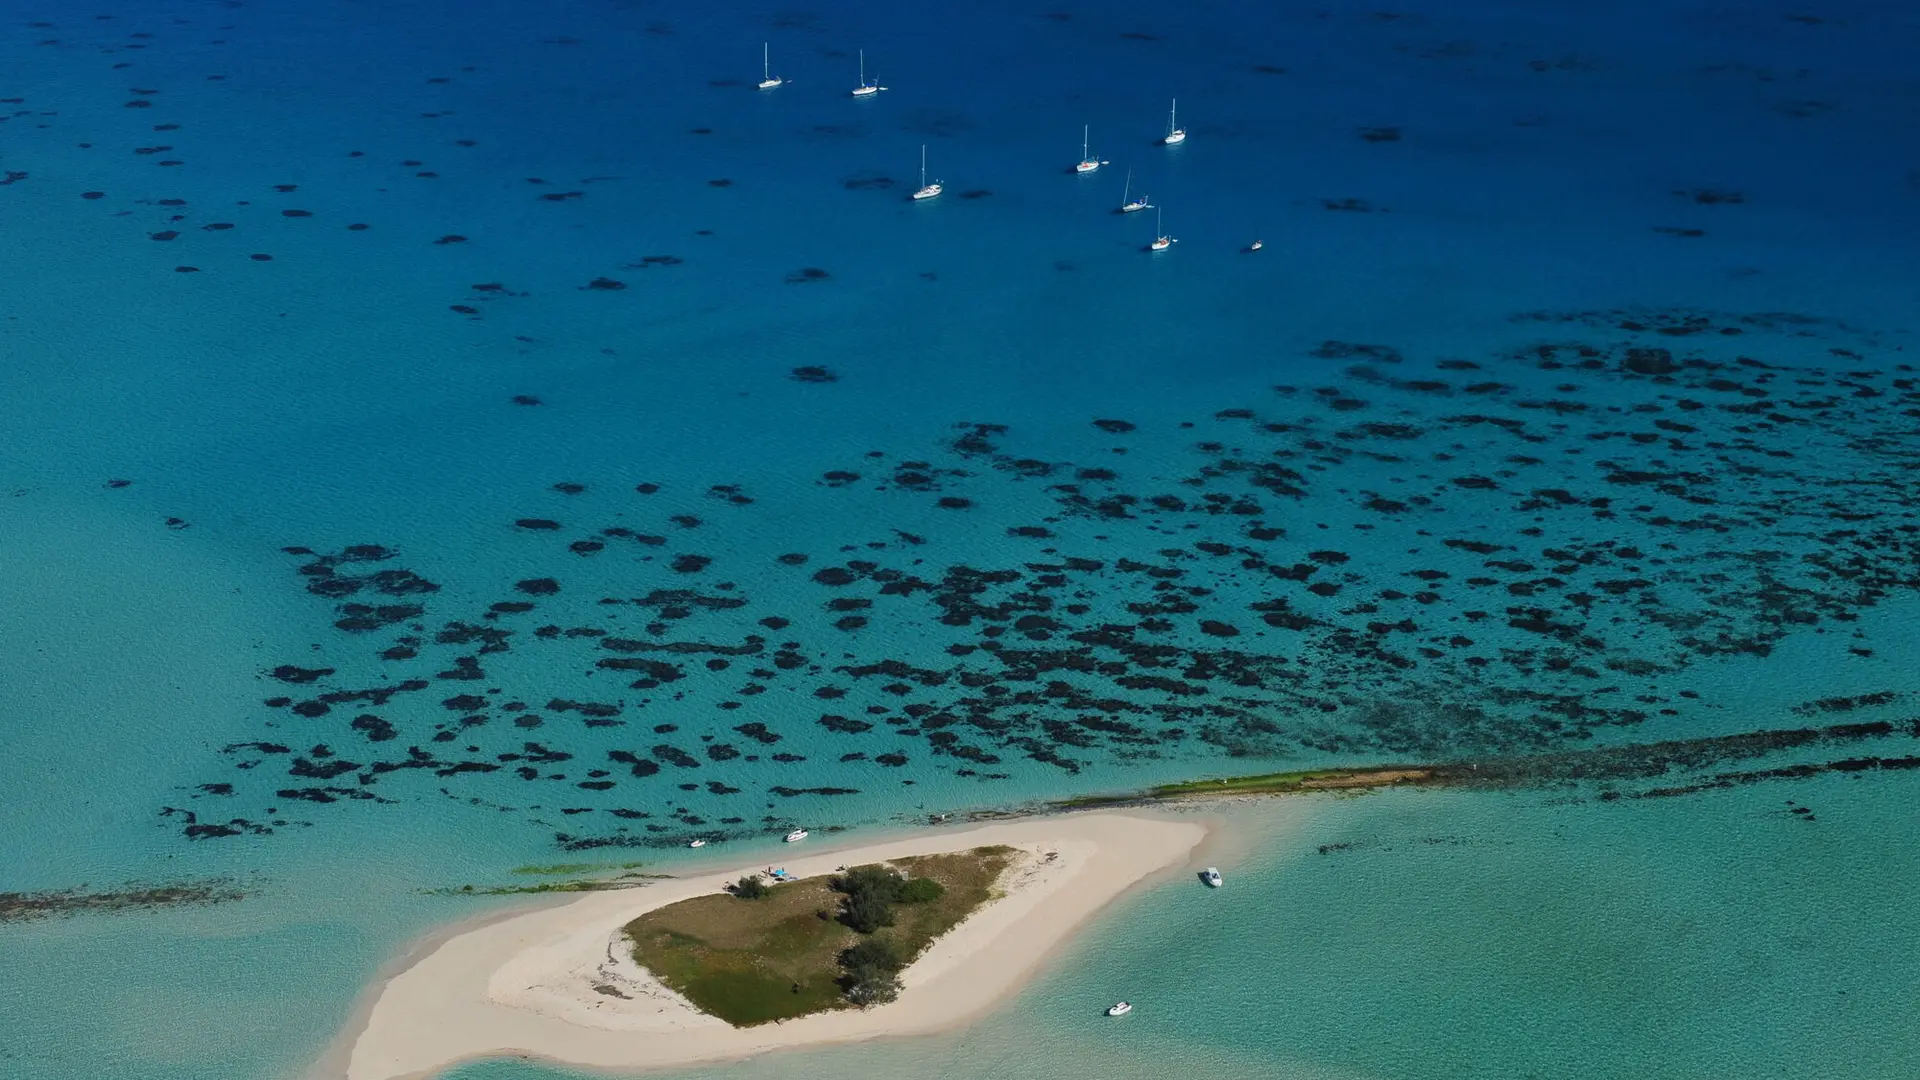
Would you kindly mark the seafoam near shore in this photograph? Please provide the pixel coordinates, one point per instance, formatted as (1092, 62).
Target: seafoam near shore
(537, 984)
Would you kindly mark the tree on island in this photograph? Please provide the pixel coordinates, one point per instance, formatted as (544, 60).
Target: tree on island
(872, 969)
(871, 892)
(750, 887)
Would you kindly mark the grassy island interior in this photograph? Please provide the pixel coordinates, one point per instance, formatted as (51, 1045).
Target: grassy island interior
(793, 949)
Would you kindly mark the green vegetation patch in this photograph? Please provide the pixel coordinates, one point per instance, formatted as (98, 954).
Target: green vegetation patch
(793, 950)
(573, 869)
(1303, 780)
(628, 878)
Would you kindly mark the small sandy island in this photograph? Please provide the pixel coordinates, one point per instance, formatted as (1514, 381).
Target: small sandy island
(559, 983)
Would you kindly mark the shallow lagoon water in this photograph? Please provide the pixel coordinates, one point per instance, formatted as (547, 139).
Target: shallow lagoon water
(330, 397)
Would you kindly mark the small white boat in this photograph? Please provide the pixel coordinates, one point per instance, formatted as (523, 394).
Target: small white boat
(767, 81)
(796, 836)
(1255, 246)
(1212, 877)
(1175, 133)
(1128, 204)
(1161, 241)
(1088, 163)
(698, 843)
(1119, 1008)
(865, 89)
(927, 191)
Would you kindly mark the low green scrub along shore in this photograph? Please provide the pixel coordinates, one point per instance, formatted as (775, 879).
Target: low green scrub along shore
(573, 869)
(628, 878)
(1307, 780)
(1618, 771)
(764, 952)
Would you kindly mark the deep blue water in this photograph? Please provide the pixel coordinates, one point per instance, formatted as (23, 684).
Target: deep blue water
(1568, 404)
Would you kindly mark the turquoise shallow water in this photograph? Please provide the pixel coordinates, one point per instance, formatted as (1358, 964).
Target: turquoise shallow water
(1567, 405)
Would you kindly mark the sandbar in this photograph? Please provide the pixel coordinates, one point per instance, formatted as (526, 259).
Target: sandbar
(558, 983)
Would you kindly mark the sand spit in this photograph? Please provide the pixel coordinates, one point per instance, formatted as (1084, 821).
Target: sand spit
(557, 983)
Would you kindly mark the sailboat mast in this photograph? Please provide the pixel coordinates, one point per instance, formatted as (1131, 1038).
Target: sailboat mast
(1085, 131)
(863, 67)
(923, 164)
(766, 60)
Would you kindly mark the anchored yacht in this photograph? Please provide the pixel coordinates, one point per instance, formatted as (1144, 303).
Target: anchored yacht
(866, 89)
(1212, 876)
(767, 81)
(1119, 1008)
(1088, 163)
(1161, 241)
(927, 191)
(796, 836)
(1175, 133)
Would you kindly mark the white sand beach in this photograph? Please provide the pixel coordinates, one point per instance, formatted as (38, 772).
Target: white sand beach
(557, 983)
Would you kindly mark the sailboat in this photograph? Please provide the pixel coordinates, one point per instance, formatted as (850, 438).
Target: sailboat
(1088, 163)
(1175, 133)
(865, 89)
(1129, 205)
(927, 191)
(1161, 241)
(767, 81)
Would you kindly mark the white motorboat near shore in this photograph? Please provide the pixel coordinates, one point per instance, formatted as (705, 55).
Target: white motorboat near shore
(1120, 1008)
(796, 836)
(1212, 877)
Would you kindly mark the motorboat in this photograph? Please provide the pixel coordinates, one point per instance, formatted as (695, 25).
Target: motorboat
(796, 836)
(767, 81)
(1119, 1008)
(698, 843)
(1175, 133)
(926, 191)
(1211, 875)
(1255, 246)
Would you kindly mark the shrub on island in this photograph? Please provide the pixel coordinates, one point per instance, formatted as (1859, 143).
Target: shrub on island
(871, 892)
(750, 888)
(872, 969)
